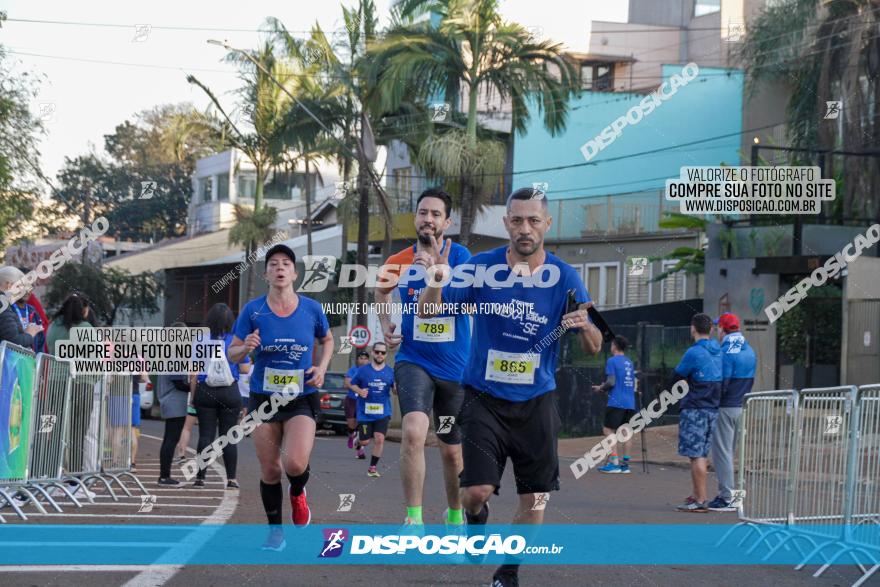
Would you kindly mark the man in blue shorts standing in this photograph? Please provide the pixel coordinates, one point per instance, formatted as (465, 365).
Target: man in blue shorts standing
(520, 292)
(374, 384)
(621, 382)
(363, 357)
(429, 364)
(701, 367)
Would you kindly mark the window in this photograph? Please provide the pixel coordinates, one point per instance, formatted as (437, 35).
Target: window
(223, 187)
(704, 7)
(403, 187)
(601, 280)
(247, 184)
(638, 284)
(598, 77)
(206, 184)
(673, 287)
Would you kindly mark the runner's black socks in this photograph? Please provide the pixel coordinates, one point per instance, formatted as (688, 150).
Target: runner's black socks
(297, 483)
(272, 497)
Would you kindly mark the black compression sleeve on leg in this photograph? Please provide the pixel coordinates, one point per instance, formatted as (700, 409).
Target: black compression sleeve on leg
(297, 483)
(272, 497)
(373, 461)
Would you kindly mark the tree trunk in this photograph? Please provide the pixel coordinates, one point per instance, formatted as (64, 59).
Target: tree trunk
(308, 218)
(363, 183)
(258, 193)
(249, 278)
(466, 211)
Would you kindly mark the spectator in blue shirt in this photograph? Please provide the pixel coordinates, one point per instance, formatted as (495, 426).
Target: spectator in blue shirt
(620, 382)
(701, 367)
(738, 374)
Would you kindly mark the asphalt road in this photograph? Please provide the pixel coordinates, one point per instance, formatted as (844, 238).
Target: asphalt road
(593, 499)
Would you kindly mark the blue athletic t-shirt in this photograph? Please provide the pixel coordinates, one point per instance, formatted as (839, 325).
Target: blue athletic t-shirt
(513, 356)
(439, 345)
(623, 394)
(350, 374)
(377, 404)
(286, 344)
(701, 366)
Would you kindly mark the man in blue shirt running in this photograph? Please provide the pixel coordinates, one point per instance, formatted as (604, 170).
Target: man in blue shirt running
(363, 357)
(520, 292)
(621, 381)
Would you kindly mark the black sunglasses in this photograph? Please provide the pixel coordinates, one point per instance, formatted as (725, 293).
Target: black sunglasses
(379, 352)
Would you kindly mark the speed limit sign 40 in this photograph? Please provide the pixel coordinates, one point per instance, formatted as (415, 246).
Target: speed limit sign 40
(359, 336)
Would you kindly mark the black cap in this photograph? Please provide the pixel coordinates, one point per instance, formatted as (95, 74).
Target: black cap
(284, 250)
(363, 354)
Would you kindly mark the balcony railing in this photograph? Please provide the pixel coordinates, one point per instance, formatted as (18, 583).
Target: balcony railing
(618, 214)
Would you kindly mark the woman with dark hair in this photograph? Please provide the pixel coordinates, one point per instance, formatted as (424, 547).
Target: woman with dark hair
(89, 312)
(218, 405)
(70, 315)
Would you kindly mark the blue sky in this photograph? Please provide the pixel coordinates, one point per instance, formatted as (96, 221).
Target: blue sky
(84, 97)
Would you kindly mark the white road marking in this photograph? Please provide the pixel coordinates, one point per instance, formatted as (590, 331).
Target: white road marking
(159, 575)
(126, 516)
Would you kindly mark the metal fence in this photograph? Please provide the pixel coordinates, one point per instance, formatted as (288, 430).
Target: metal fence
(655, 351)
(60, 432)
(809, 475)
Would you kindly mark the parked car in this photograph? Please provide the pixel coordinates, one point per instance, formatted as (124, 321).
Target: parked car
(332, 395)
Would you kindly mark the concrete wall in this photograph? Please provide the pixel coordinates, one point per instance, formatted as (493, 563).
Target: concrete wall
(651, 46)
(661, 12)
(731, 286)
(860, 351)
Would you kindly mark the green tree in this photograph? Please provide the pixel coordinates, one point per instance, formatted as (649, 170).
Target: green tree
(20, 132)
(471, 52)
(350, 106)
(159, 147)
(690, 260)
(109, 290)
(825, 50)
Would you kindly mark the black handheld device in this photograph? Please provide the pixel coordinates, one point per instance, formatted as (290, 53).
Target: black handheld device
(593, 313)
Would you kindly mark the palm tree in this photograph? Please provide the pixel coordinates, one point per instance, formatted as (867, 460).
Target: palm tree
(825, 50)
(349, 97)
(263, 108)
(471, 52)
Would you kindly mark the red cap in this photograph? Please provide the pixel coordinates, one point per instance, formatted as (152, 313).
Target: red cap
(728, 322)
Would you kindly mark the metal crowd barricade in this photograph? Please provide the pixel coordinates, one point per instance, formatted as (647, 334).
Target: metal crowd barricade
(865, 510)
(17, 373)
(809, 473)
(117, 426)
(766, 434)
(82, 455)
(823, 455)
(51, 410)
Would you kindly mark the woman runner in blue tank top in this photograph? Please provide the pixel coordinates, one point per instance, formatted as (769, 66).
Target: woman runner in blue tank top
(281, 329)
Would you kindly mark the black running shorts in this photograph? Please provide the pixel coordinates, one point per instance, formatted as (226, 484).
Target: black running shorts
(494, 430)
(417, 391)
(366, 429)
(306, 405)
(617, 417)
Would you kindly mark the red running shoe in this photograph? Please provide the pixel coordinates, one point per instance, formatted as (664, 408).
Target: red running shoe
(300, 514)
